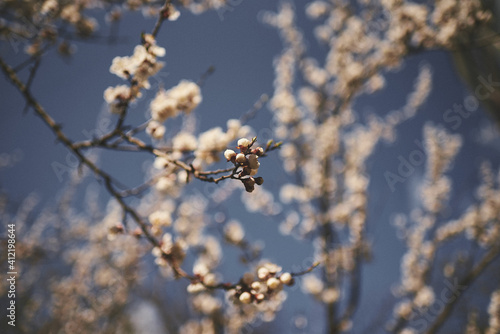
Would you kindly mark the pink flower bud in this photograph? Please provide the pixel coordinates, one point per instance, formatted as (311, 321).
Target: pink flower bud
(259, 151)
(260, 297)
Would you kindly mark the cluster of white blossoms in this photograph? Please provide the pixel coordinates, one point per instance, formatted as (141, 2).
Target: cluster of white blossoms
(263, 285)
(247, 158)
(478, 222)
(211, 142)
(215, 140)
(137, 69)
(206, 149)
(167, 103)
(142, 64)
(171, 250)
(155, 129)
(425, 235)
(117, 97)
(158, 220)
(40, 24)
(170, 181)
(257, 294)
(182, 230)
(184, 142)
(476, 326)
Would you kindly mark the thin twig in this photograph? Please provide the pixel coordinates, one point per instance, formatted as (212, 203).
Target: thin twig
(164, 13)
(141, 188)
(204, 76)
(308, 270)
(31, 77)
(258, 105)
(32, 59)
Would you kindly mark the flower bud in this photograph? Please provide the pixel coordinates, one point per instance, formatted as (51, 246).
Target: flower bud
(155, 130)
(116, 229)
(240, 158)
(259, 180)
(260, 297)
(137, 232)
(243, 143)
(259, 151)
(247, 278)
(273, 283)
(253, 163)
(156, 251)
(195, 288)
(256, 286)
(246, 298)
(160, 218)
(210, 279)
(286, 278)
(249, 184)
(262, 273)
(229, 154)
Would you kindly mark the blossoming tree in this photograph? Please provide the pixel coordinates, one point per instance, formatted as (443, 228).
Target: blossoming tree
(158, 242)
